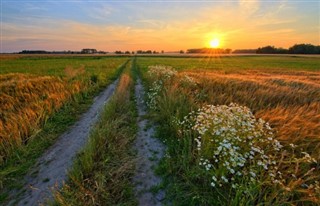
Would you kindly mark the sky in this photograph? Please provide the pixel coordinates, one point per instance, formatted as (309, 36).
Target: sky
(168, 25)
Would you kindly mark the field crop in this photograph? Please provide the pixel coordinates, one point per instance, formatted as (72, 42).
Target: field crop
(56, 65)
(26, 102)
(41, 87)
(235, 63)
(277, 161)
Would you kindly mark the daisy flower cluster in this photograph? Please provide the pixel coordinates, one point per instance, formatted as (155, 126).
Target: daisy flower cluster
(153, 93)
(159, 76)
(161, 72)
(235, 149)
(233, 144)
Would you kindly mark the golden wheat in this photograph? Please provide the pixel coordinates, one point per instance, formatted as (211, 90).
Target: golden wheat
(290, 101)
(26, 102)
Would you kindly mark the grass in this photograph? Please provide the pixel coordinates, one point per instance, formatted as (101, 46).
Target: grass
(235, 63)
(281, 90)
(56, 65)
(102, 173)
(64, 113)
(27, 102)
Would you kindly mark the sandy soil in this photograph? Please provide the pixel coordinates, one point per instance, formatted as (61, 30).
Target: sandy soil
(149, 152)
(51, 169)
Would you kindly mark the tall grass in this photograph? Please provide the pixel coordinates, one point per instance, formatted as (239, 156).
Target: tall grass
(102, 173)
(290, 102)
(26, 102)
(291, 105)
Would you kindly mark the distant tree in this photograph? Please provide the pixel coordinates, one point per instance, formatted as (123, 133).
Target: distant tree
(118, 52)
(282, 51)
(34, 52)
(304, 49)
(228, 51)
(296, 49)
(266, 50)
(162, 51)
(89, 51)
(127, 52)
(181, 52)
(132, 52)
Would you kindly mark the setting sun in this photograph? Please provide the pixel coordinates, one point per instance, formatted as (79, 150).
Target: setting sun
(214, 43)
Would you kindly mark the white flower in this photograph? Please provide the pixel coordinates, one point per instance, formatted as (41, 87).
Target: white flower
(252, 174)
(224, 179)
(230, 139)
(214, 178)
(292, 145)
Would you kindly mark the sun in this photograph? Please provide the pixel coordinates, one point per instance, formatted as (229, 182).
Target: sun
(214, 43)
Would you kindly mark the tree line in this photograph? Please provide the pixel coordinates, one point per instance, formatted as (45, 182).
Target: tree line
(295, 49)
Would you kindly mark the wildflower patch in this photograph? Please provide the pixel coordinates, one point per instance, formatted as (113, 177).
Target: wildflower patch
(233, 145)
(160, 76)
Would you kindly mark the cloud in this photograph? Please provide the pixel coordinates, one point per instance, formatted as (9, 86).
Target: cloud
(151, 23)
(248, 7)
(100, 12)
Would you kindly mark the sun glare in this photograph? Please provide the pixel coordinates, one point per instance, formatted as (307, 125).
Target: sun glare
(214, 43)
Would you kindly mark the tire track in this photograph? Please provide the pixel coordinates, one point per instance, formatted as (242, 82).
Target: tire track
(149, 151)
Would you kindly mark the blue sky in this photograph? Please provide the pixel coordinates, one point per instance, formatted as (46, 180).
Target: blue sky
(156, 25)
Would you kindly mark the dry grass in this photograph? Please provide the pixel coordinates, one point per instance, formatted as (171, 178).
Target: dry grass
(26, 102)
(123, 86)
(289, 101)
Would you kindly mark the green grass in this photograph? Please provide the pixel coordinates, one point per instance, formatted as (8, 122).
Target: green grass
(234, 63)
(19, 163)
(102, 173)
(55, 66)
